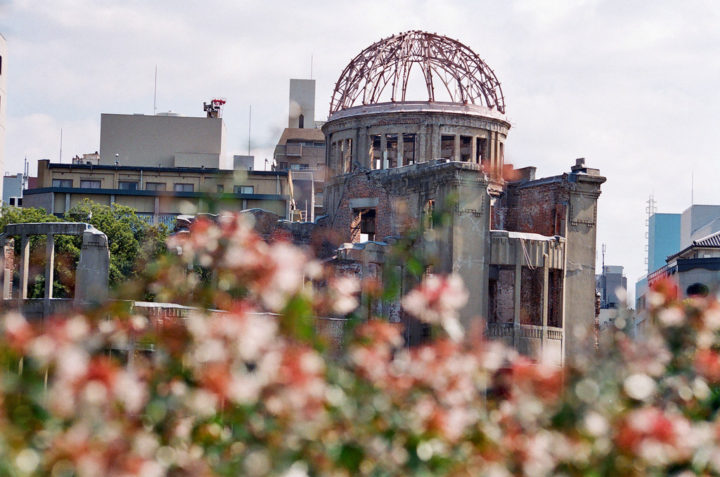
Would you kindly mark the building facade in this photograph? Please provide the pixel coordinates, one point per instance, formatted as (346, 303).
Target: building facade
(696, 222)
(525, 247)
(608, 283)
(301, 148)
(12, 189)
(163, 140)
(159, 194)
(663, 238)
(672, 237)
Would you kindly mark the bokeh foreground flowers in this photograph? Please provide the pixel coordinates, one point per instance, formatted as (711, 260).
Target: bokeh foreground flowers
(244, 386)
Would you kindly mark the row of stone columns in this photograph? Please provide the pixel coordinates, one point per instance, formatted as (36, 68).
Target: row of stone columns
(92, 273)
(341, 160)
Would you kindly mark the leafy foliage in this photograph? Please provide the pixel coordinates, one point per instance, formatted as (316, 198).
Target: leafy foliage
(249, 391)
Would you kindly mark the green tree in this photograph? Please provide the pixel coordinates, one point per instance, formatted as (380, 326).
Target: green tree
(133, 243)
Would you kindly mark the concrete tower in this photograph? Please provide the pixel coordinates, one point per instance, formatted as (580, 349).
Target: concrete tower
(301, 113)
(3, 105)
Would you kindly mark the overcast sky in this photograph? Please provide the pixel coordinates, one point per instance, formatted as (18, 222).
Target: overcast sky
(631, 86)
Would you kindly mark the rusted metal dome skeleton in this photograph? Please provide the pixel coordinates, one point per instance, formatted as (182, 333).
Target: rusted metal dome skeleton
(389, 62)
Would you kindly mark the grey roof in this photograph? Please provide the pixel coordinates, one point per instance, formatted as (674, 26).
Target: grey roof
(712, 240)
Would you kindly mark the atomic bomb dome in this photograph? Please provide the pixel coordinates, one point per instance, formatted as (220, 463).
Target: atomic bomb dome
(385, 67)
(417, 126)
(414, 98)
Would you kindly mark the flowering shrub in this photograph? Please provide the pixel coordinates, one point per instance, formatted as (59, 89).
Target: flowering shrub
(250, 390)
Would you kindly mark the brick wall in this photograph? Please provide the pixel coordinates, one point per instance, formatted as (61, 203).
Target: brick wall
(346, 221)
(539, 209)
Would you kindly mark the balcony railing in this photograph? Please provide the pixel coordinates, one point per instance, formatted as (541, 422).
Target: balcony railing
(508, 330)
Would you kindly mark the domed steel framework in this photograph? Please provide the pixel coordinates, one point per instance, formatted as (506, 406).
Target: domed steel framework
(389, 62)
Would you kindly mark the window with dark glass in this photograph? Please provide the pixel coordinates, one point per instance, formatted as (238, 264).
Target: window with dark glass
(127, 185)
(155, 186)
(62, 183)
(183, 187)
(244, 189)
(90, 184)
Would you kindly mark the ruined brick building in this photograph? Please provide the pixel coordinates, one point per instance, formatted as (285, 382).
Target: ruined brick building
(525, 247)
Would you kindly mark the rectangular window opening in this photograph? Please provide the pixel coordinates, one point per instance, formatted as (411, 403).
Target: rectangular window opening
(408, 149)
(447, 147)
(183, 187)
(466, 148)
(391, 155)
(375, 152)
(90, 184)
(243, 189)
(480, 150)
(62, 183)
(155, 186)
(127, 185)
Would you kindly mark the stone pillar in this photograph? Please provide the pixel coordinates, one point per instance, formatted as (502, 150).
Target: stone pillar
(368, 156)
(434, 139)
(91, 279)
(356, 150)
(49, 278)
(49, 265)
(8, 249)
(400, 150)
(156, 211)
(516, 302)
(486, 150)
(583, 187)
(545, 304)
(473, 150)
(24, 266)
(420, 147)
(467, 243)
(383, 151)
(3, 267)
(456, 148)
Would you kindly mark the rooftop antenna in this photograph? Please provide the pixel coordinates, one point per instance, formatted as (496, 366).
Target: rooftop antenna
(60, 145)
(249, 127)
(155, 93)
(649, 210)
(214, 107)
(692, 187)
(311, 65)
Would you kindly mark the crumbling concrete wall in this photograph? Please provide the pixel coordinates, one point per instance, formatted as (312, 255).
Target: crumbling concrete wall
(403, 198)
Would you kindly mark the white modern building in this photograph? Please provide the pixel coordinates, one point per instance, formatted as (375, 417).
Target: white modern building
(3, 103)
(163, 140)
(12, 189)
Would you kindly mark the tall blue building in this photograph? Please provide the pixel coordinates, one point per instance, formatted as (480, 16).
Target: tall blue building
(663, 239)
